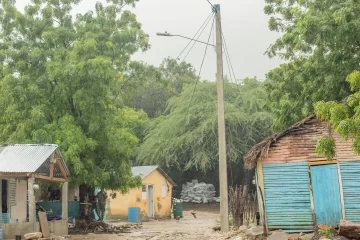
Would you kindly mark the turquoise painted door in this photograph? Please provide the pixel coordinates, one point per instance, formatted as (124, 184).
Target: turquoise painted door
(326, 193)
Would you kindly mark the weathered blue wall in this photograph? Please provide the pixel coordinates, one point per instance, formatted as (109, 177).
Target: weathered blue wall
(287, 197)
(350, 174)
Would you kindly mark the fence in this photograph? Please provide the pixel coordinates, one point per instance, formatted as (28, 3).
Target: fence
(56, 207)
(243, 206)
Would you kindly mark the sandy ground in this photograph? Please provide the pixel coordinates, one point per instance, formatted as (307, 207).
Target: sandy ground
(186, 228)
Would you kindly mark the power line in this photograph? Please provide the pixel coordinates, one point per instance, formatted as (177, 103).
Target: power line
(228, 56)
(196, 40)
(225, 48)
(207, 19)
(202, 63)
(228, 65)
(212, 5)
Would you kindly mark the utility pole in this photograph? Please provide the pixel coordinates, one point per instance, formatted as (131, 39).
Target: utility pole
(223, 181)
(224, 204)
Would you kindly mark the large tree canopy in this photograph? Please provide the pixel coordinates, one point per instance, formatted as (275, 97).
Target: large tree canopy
(321, 41)
(187, 136)
(58, 84)
(149, 88)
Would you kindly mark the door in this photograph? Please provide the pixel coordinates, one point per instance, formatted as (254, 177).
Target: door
(4, 196)
(151, 200)
(326, 193)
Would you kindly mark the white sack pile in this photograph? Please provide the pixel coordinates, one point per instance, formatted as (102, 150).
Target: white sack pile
(196, 192)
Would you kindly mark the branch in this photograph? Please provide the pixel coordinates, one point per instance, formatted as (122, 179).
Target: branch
(57, 21)
(122, 86)
(73, 110)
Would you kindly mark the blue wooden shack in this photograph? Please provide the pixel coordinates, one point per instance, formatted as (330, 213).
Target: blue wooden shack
(297, 189)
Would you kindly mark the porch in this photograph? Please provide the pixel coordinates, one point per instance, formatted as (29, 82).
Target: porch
(22, 168)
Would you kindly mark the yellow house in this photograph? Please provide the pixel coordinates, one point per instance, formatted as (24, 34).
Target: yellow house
(153, 198)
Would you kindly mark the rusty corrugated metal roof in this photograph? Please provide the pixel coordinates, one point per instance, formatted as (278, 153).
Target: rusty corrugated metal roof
(28, 158)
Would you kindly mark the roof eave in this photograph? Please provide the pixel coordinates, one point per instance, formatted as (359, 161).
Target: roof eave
(260, 150)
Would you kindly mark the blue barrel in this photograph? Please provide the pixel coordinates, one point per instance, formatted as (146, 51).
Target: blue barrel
(1, 234)
(133, 215)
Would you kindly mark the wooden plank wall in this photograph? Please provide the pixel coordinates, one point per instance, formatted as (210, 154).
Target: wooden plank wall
(300, 146)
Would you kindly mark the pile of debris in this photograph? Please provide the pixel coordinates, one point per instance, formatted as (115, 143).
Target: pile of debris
(39, 235)
(196, 192)
(86, 226)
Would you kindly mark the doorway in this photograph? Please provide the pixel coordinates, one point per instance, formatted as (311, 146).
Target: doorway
(151, 200)
(326, 194)
(4, 196)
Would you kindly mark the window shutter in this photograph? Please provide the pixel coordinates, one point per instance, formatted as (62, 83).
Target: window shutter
(12, 191)
(164, 191)
(144, 192)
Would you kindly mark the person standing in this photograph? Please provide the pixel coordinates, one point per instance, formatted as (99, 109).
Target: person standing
(102, 197)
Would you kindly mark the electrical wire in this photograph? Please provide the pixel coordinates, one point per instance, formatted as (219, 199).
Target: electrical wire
(226, 51)
(212, 5)
(228, 56)
(228, 64)
(196, 40)
(214, 41)
(207, 19)
(202, 63)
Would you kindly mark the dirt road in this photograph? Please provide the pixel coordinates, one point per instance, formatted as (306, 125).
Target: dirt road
(199, 228)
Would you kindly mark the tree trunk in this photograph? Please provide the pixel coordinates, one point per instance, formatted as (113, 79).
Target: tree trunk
(349, 229)
(86, 194)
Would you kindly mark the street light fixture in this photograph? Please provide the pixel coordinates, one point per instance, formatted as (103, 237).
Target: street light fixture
(166, 34)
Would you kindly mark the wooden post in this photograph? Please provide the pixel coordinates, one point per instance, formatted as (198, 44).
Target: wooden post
(341, 193)
(64, 199)
(51, 170)
(52, 162)
(261, 188)
(312, 204)
(31, 201)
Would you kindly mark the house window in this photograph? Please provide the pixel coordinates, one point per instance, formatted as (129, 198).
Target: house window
(143, 192)
(163, 191)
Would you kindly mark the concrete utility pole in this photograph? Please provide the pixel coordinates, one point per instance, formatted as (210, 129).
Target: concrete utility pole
(224, 204)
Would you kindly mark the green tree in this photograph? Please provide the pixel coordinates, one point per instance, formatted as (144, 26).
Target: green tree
(321, 42)
(186, 138)
(344, 117)
(294, 87)
(179, 74)
(149, 88)
(58, 81)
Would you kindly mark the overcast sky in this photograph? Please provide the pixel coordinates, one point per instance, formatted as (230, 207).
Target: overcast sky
(244, 26)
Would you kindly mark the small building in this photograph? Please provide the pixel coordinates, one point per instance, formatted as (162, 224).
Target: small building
(22, 167)
(153, 198)
(297, 189)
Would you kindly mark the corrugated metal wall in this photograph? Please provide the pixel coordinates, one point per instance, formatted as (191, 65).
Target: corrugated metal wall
(350, 174)
(287, 197)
